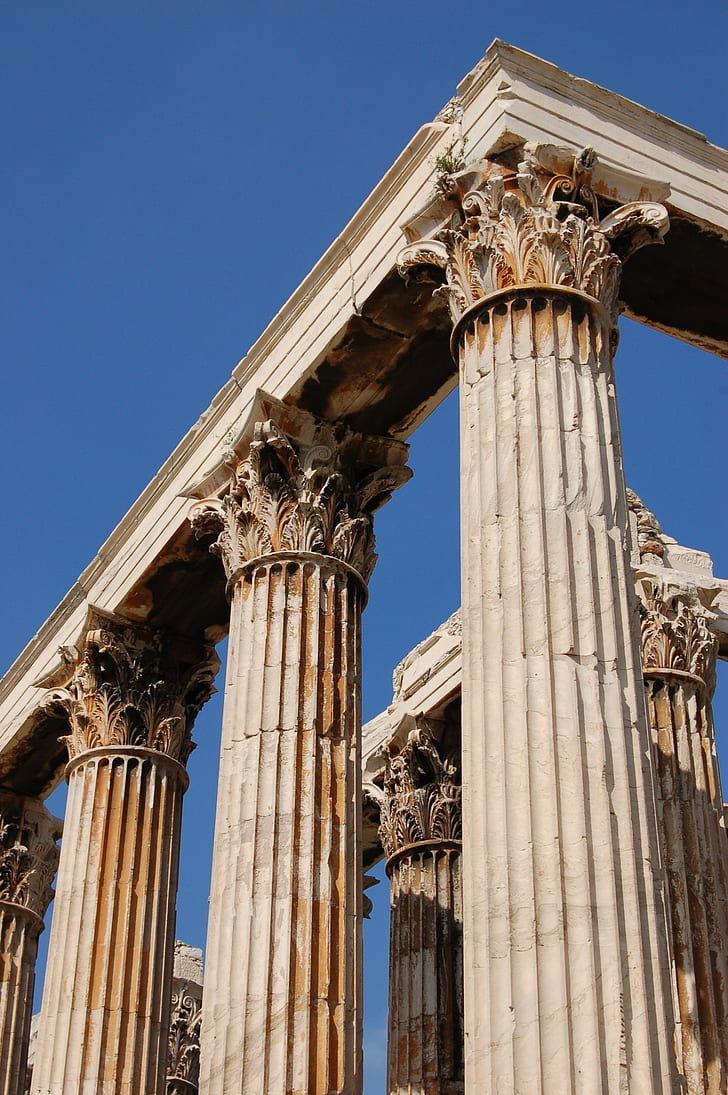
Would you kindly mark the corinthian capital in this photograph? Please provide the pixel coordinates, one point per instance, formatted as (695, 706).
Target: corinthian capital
(676, 636)
(421, 796)
(310, 487)
(531, 228)
(28, 852)
(129, 685)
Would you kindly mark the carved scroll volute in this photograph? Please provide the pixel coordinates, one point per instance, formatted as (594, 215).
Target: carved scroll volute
(184, 1037)
(28, 853)
(532, 228)
(315, 493)
(123, 687)
(421, 798)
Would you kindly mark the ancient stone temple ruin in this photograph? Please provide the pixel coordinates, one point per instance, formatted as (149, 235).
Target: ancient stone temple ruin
(544, 786)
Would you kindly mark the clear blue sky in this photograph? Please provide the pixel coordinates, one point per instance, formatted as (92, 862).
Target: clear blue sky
(172, 171)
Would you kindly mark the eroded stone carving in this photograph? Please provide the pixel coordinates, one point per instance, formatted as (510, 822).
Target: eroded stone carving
(451, 112)
(312, 496)
(125, 689)
(28, 853)
(421, 799)
(650, 545)
(183, 1070)
(675, 616)
(676, 639)
(530, 227)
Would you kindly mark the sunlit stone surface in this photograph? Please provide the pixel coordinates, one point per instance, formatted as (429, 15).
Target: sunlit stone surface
(591, 885)
(130, 696)
(283, 983)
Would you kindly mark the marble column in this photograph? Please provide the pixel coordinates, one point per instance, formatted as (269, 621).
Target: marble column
(567, 973)
(282, 1004)
(678, 661)
(28, 861)
(131, 696)
(420, 828)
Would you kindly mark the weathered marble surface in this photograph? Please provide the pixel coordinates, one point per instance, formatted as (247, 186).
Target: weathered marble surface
(130, 696)
(283, 983)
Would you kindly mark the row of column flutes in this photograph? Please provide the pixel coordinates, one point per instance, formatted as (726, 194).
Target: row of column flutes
(286, 894)
(426, 922)
(142, 790)
(566, 968)
(106, 1003)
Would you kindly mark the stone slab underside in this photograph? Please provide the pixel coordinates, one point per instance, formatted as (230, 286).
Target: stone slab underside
(354, 342)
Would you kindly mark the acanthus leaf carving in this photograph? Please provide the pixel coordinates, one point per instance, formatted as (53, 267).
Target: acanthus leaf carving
(28, 853)
(315, 495)
(124, 688)
(676, 636)
(421, 798)
(530, 227)
(184, 1037)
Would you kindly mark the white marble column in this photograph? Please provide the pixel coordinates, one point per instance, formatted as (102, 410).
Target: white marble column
(28, 860)
(282, 1002)
(420, 828)
(567, 984)
(131, 698)
(678, 660)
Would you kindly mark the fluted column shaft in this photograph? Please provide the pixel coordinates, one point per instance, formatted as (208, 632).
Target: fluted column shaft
(28, 858)
(105, 1010)
(425, 1039)
(282, 1002)
(567, 985)
(566, 960)
(105, 1015)
(19, 931)
(679, 655)
(282, 985)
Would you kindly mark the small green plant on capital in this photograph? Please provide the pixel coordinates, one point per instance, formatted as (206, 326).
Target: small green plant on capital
(448, 163)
